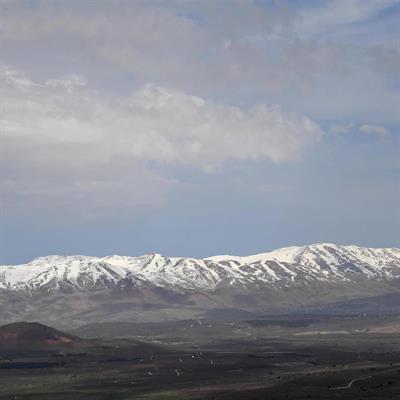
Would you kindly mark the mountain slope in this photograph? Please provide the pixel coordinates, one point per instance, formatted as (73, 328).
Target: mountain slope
(71, 290)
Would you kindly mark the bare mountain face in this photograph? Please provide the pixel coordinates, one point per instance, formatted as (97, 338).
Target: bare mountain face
(154, 287)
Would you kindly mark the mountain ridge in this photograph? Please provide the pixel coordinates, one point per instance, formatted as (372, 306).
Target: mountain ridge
(73, 290)
(279, 268)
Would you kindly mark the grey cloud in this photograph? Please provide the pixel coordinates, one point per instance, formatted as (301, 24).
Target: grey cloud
(337, 18)
(341, 128)
(185, 46)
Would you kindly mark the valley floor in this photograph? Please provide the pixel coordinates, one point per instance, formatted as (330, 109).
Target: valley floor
(331, 365)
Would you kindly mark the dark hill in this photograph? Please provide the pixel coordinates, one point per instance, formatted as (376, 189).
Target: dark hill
(33, 332)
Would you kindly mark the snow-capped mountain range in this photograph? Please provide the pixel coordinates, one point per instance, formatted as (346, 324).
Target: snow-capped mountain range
(283, 268)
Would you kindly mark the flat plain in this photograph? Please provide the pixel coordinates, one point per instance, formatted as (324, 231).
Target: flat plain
(280, 357)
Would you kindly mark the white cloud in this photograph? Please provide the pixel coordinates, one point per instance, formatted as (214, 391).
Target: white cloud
(64, 143)
(380, 131)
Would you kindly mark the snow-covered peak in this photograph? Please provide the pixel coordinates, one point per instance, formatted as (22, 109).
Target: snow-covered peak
(325, 251)
(325, 262)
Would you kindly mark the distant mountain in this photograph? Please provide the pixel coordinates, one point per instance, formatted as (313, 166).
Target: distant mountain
(32, 332)
(153, 287)
(281, 268)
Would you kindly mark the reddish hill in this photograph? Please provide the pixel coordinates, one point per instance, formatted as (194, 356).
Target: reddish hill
(33, 332)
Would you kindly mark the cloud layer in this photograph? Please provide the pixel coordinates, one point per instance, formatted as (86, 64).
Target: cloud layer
(323, 59)
(65, 143)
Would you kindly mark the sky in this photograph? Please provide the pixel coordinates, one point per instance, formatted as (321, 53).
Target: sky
(196, 128)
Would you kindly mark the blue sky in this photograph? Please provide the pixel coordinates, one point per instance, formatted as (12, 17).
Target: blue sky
(198, 128)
